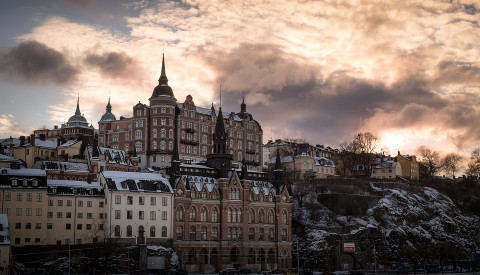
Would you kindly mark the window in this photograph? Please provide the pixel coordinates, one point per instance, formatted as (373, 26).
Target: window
(28, 211)
(39, 197)
(140, 215)
(89, 227)
(251, 234)
(117, 214)
(68, 226)
(203, 214)
(270, 217)
(270, 234)
(118, 199)
(179, 214)
(252, 216)
(89, 215)
(129, 214)
(164, 231)
(28, 225)
(18, 211)
(193, 233)
(49, 226)
(141, 200)
(29, 196)
(261, 216)
(50, 202)
(60, 203)
(129, 231)
(193, 214)
(49, 215)
(284, 217)
(38, 211)
(214, 215)
(260, 234)
(179, 233)
(80, 215)
(152, 231)
(164, 215)
(38, 226)
(69, 203)
(101, 204)
(80, 203)
(59, 215)
(89, 203)
(68, 215)
(153, 201)
(138, 134)
(215, 233)
(18, 225)
(203, 233)
(19, 196)
(117, 231)
(153, 215)
(164, 201)
(129, 200)
(79, 226)
(138, 148)
(284, 235)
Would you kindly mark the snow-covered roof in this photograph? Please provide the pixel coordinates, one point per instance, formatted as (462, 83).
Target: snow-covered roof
(131, 181)
(323, 162)
(282, 159)
(63, 165)
(381, 163)
(24, 172)
(114, 153)
(73, 184)
(6, 158)
(50, 144)
(68, 143)
(195, 165)
(207, 111)
(264, 186)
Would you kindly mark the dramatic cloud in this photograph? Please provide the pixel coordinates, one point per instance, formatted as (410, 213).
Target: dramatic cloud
(36, 63)
(406, 71)
(14, 129)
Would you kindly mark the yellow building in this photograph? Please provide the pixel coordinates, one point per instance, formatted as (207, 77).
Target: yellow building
(35, 150)
(410, 167)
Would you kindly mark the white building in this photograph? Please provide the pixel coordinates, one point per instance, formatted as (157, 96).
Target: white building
(386, 168)
(138, 202)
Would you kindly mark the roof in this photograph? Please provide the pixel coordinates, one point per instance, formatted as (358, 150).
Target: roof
(50, 144)
(73, 184)
(321, 161)
(63, 165)
(24, 172)
(69, 143)
(136, 181)
(282, 159)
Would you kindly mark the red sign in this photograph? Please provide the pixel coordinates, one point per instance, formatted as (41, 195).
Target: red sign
(349, 247)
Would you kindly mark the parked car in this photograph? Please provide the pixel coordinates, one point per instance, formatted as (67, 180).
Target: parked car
(228, 271)
(177, 272)
(248, 270)
(306, 272)
(292, 271)
(266, 271)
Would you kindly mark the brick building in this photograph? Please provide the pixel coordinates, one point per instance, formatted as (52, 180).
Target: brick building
(150, 131)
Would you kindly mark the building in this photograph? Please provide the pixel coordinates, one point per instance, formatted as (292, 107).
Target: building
(227, 217)
(75, 128)
(23, 199)
(138, 202)
(410, 166)
(107, 159)
(150, 131)
(35, 150)
(386, 168)
(75, 212)
(4, 244)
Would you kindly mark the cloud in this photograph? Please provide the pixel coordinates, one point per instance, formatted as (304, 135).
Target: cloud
(35, 63)
(9, 127)
(116, 65)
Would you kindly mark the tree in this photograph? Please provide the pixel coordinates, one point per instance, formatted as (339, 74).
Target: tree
(430, 160)
(348, 159)
(451, 163)
(473, 168)
(366, 145)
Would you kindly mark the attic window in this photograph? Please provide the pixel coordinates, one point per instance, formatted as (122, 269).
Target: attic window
(140, 185)
(14, 182)
(124, 184)
(25, 182)
(35, 182)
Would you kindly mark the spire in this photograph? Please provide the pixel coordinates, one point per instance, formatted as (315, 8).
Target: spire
(220, 136)
(163, 76)
(243, 106)
(278, 172)
(109, 107)
(77, 112)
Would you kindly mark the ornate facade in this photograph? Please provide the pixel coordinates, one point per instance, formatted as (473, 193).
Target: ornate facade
(150, 131)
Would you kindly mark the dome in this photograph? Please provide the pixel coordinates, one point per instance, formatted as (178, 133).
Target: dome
(77, 118)
(162, 90)
(108, 117)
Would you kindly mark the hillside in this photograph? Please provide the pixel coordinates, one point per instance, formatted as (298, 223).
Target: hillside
(401, 222)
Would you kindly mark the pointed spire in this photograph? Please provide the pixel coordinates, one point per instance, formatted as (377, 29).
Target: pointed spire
(77, 112)
(243, 106)
(220, 135)
(109, 106)
(163, 76)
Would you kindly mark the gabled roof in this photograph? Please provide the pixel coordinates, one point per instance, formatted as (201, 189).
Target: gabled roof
(134, 181)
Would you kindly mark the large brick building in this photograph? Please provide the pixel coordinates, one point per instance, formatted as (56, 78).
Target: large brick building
(150, 131)
(226, 217)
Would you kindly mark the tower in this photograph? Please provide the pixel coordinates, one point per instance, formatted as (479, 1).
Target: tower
(220, 159)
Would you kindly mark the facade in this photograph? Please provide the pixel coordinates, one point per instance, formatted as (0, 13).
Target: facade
(138, 202)
(150, 131)
(4, 244)
(386, 168)
(410, 166)
(303, 167)
(35, 150)
(228, 217)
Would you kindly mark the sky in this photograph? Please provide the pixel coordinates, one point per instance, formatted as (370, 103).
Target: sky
(407, 71)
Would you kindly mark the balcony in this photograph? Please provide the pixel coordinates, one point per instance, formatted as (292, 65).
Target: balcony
(189, 142)
(152, 152)
(253, 163)
(190, 130)
(250, 151)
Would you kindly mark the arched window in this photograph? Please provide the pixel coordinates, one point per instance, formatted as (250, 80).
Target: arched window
(284, 217)
(154, 133)
(214, 214)
(117, 230)
(234, 215)
(270, 216)
(193, 214)
(229, 215)
(163, 133)
(284, 235)
(271, 256)
(154, 146)
(239, 215)
(261, 216)
(193, 233)
(204, 256)
(170, 145)
(162, 145)
(261, 256)
(170, 134)
(129, 231)
(179, 213)
(192, 256)
(251, 216)
(203, 214)
(152, 231)
(164, 231)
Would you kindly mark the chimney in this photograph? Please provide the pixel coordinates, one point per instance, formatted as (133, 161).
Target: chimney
(55, 127)
(22, 140)
(32, 140)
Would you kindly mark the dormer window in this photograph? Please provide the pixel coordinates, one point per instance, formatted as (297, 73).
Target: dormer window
(35, 183)
(124, 184)
(25, 183)
(14, 182)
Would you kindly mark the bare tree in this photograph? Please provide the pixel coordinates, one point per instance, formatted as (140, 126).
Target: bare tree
(366, 146)
(347, 158)
(451, 163)
(430, 160)
(473, 168)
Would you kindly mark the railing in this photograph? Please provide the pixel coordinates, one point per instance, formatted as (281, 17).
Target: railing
(189, 142)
